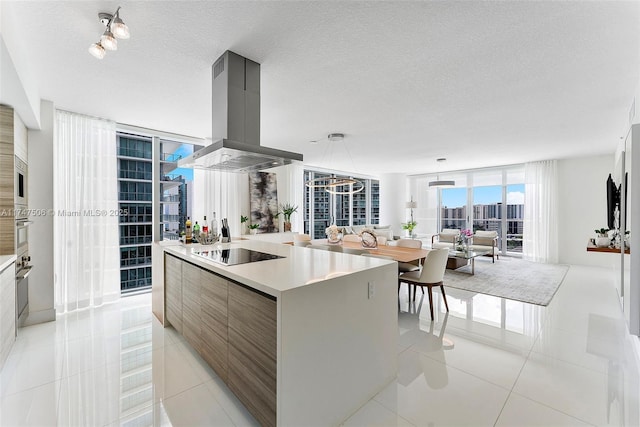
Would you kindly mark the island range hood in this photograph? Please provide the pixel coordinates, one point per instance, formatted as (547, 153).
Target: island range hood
(236, 120)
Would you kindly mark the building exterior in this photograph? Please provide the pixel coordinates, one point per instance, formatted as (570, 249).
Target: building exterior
(135, 183)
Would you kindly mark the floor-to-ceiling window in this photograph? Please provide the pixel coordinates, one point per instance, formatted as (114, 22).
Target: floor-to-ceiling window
(135, 191)
(515, 216)
(454, 208)
(489, 199)
(147, 165)
(323, 208)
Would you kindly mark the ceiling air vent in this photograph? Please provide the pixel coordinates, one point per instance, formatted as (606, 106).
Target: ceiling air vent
(218, 67)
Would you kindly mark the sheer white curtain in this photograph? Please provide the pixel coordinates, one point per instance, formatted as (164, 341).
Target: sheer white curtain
(540, 212)
(85, 202)
(227, 194)
(224, 193)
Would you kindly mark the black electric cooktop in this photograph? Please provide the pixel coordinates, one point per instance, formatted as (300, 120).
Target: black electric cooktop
(235, 256)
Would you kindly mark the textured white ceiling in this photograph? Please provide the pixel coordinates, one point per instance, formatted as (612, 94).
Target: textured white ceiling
(481, 83)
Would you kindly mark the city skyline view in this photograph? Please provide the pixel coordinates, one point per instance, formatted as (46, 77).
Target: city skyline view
(457, 197)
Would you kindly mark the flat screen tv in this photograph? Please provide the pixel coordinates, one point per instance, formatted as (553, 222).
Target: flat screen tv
(613, 200)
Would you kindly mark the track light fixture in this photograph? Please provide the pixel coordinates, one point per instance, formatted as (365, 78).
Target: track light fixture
(115, 29)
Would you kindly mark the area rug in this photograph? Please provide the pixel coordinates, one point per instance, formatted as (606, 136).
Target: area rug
(510, 278)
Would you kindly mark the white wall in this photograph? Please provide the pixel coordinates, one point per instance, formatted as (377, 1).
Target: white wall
(582, 207)
(40, 152)
(393, 197)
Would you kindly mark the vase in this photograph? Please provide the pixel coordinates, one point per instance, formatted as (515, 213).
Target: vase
(287, 226)
(603, 242)
(253, 231)
(334, 238)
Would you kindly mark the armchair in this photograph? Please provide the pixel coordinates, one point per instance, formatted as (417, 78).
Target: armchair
(486, 240)
(445, 238)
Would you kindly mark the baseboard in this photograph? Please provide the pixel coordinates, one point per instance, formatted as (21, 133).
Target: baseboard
(41, 316)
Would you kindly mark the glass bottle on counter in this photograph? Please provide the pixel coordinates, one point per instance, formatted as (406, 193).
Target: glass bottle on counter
(188, 231)
(196, 230)
(205, 226)
(214, 225)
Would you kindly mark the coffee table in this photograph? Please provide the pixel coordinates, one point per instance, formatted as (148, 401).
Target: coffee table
(459, 259)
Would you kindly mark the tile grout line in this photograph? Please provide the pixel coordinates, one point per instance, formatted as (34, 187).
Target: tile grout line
(528, 398)
(526, 359)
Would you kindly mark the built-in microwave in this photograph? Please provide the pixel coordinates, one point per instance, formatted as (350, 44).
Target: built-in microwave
(22, 235)
(21, 182)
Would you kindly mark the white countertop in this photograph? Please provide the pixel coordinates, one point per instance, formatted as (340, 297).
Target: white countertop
(300, 267)
(6, 260)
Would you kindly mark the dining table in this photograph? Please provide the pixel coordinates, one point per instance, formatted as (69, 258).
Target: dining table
(398, 253)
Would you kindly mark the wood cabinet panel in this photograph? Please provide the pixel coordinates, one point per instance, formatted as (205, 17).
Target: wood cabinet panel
(7, 202)
(213, 312)
(231, 327)
(191, 320)
(252, 352)
(173, 291)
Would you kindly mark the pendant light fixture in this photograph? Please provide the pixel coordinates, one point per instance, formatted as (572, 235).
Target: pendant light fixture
(333, 184)
(439, 182)
(115, 28)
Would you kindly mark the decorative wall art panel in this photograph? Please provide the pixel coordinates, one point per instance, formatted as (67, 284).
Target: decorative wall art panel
(264, 201)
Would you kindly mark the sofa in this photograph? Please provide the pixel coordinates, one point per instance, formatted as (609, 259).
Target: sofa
(379, 230)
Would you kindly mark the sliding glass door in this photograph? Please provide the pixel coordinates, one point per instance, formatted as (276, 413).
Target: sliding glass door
(483, 200)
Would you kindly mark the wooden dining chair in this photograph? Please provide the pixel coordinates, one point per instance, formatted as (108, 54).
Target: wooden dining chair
(432, 274)
(405, 267)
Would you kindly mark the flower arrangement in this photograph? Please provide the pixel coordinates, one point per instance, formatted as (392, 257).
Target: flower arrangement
(409, 226)
(253, 228)
(286, 210)
(464, 238)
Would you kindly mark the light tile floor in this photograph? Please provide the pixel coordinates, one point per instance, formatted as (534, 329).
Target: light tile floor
(490, 362)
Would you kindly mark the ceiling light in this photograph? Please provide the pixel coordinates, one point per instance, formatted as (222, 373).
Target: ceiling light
(336, 185)
(120, 30)
(440, 182)
(333, 184)
(114, 27)
(108, 41)
(97, 50)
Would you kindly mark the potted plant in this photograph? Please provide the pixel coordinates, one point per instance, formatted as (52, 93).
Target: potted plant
(287, 209)
(253, 228)
(603, 240)
(243, 219)
(409, 226)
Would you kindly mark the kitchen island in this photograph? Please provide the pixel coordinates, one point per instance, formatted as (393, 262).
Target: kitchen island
(303, 339)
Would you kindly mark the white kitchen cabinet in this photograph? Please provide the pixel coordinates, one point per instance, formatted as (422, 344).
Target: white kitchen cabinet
(7, 310)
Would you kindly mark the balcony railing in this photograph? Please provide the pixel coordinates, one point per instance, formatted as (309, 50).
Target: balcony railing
(170, 157)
